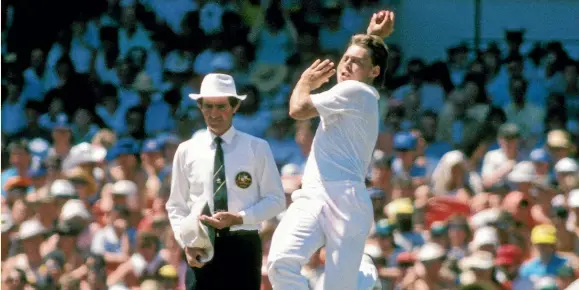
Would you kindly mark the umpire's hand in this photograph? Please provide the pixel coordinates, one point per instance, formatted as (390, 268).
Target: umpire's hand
(193, 256)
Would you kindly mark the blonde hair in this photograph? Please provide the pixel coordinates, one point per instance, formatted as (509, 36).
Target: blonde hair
(377, 50)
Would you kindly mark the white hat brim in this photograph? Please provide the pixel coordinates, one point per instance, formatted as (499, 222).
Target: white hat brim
(199, 96)
(31, 234)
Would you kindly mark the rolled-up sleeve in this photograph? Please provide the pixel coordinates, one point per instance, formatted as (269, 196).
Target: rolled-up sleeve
(272, 198)
(177, 206)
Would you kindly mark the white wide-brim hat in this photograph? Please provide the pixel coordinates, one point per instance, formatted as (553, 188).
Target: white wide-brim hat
(217, 86)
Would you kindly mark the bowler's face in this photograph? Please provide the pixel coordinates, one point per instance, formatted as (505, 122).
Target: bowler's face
(356, 64)
(218, 113)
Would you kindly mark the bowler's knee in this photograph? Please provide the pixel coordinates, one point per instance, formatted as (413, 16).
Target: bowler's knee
(280, 267)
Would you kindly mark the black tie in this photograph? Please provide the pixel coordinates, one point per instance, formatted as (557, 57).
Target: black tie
(219, 186)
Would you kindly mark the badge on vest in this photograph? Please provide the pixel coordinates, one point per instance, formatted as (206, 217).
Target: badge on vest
(243, 179)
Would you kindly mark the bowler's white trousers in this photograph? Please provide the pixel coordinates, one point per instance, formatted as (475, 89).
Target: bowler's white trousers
(337, 215)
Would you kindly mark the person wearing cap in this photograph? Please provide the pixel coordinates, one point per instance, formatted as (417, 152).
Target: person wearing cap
(481, 265)
(429, 271)
(44, 207)
(497, 164)
(73, 236)
(485, 239)
(407, 163)
(542, 162)
(168, 276)
(337, 165)
(234, 177)
(509, 259)
(559, 144)
(438, 233)
(405, 263)
(84, 184)
(387, 263)
(124, 193)
(61, 137)
(86, 156)
(20, 160)
(169, 144)
(544, 238)
(400, 212)
(152, 157)
(16, 187)
(31, 235)
(62, 190)
(124, 155)
(565, 167)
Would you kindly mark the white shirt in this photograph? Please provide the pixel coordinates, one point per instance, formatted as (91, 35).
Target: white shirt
(105, 240)
(346, 137)
(192, 178)
(493, 161)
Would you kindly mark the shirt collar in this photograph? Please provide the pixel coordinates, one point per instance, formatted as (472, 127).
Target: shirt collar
(227, 137)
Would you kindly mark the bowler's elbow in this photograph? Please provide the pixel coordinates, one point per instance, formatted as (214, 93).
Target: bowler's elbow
(295, 113)
(302, 112)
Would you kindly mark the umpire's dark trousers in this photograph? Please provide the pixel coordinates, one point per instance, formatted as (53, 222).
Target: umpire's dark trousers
(235, 265)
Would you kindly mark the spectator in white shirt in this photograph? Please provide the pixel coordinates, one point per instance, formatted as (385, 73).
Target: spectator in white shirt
(497, 164)
(112, 241)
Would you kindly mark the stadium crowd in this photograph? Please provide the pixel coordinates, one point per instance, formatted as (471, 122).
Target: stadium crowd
(474, 181)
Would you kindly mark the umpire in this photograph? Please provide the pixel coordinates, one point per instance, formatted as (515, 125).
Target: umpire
(236, 175)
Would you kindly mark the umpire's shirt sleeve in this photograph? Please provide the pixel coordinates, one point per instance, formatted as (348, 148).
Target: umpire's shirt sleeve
(178, 203)
(272, 199)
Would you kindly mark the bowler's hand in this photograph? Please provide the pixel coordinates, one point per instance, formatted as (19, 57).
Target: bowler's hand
(222, 220)
(381, 24)
(318, 73)
(193, 255)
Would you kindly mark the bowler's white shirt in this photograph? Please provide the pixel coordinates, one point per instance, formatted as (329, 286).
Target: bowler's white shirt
(346, 136)
(192, 178)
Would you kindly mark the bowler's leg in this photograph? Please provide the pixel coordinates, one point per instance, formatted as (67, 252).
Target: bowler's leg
(346, 222)
(342, 265)
(295, 240)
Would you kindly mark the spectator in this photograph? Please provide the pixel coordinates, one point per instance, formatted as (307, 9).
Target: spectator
(544, 238)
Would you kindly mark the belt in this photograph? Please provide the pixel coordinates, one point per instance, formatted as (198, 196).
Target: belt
(221, 233)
